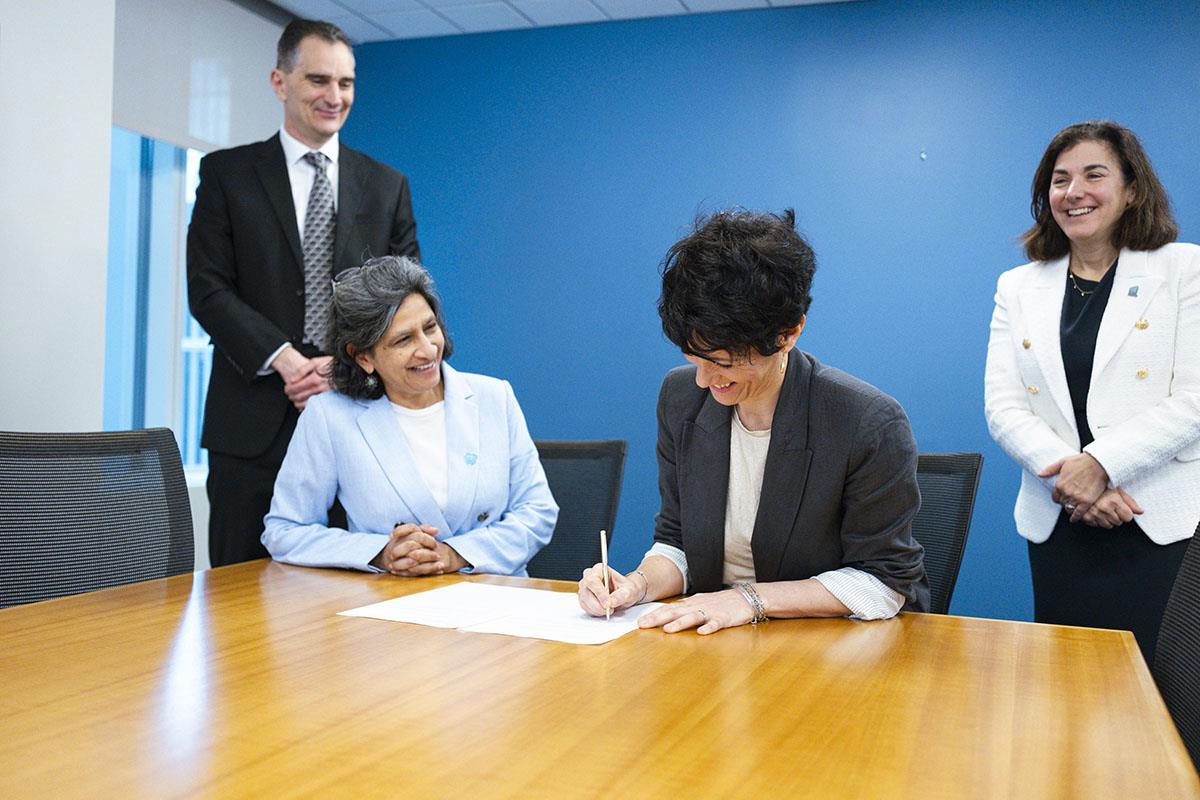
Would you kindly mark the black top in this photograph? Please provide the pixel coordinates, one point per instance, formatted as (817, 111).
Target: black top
(1081, 315)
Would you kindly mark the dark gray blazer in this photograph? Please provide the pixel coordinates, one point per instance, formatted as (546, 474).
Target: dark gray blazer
(839, 490)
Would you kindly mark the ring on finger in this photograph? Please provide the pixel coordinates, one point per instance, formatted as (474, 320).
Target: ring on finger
(703, 614)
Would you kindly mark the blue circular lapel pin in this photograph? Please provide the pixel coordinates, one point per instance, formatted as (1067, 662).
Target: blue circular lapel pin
(471, 458)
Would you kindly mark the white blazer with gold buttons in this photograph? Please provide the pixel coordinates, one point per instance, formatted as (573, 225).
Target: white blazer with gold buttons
(1144, 399)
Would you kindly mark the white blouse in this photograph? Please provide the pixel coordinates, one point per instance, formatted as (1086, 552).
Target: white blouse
(425, 431)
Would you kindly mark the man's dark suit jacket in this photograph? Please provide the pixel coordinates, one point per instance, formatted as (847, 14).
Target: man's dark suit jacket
(839, 489)
(246, 273)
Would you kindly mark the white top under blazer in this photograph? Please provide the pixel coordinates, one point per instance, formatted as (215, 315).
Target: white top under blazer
(1143, 402)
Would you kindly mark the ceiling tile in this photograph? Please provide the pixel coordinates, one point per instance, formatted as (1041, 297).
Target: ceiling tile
(369, 7)
(313, 9)
(559, 12)
(445, 3)
(628, 9)
(410, 19)
(359, 30)
(415, 24)
(700, 6)
(485, 17)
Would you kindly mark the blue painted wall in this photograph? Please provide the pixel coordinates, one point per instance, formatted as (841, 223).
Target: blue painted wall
(552, 168)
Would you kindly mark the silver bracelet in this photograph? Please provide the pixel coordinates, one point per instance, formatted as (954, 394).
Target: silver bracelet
(757, 605)
(645, 585)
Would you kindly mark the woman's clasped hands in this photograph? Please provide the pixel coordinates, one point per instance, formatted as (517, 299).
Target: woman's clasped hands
(1082, 489)
(1112, 509)
(412, 551)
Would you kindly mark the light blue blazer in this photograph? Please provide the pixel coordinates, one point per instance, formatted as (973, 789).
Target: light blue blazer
(499, 511)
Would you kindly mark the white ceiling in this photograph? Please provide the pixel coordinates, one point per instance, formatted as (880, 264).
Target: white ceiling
(379, 20)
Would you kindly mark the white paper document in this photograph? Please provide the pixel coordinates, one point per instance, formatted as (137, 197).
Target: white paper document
(487, 608)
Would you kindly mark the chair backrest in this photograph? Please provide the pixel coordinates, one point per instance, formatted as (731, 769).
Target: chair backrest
(948, 482)
(86, 511)
(1177, 655)
(585, 479)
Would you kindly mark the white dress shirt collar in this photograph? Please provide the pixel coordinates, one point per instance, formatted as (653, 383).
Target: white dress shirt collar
(294, 149)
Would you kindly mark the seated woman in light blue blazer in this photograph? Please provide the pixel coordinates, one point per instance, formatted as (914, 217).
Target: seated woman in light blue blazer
(435, 468)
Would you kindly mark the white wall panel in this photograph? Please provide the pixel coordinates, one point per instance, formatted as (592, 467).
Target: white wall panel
(194, 72)
(56, 59)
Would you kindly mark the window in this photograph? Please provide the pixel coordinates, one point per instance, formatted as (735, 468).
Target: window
(196, 350)
(157, 357)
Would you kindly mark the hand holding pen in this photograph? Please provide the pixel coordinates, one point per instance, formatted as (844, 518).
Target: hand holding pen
(603, 590)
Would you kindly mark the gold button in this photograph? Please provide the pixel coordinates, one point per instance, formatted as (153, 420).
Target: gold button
(1026, 344)
(1143, 373)
(1142, 324)
(1033, 390)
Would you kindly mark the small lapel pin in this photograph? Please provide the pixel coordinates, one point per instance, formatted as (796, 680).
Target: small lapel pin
(482, 517)
(471, 458)
(1133, 291)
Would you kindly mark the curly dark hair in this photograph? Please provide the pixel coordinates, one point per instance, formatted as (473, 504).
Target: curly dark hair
(1146, 225)
(737, 283)
(364, 301)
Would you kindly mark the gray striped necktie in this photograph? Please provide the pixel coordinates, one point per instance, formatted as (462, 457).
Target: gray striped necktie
(319, 222)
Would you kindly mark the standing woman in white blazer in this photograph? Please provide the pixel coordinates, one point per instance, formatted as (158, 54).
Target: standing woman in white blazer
(435, 467)
(1093, 385)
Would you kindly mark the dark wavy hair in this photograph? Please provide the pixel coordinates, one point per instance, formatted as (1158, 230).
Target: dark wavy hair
(737, 283)
(288, 48)
(364, 301)
(1146, 225)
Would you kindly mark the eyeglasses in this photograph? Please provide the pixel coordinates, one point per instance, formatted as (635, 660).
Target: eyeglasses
(349, 272)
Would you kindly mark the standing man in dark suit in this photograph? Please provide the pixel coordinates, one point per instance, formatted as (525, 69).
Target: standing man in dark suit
(273, 223)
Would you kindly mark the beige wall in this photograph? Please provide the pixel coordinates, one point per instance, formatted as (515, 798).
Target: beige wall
(56, 60)
(194, 72)
(190, 72)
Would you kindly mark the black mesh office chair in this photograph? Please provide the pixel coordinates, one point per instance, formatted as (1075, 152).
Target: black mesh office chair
(1177, 657)
(948, 483)
(585, 479)
(86, 511)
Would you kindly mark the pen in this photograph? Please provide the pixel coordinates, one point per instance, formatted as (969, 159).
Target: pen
(604, 567)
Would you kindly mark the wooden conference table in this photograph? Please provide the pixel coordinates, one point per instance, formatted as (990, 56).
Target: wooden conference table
(241, 681)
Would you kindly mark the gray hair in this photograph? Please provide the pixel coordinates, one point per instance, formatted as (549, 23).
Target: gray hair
(364, 301)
